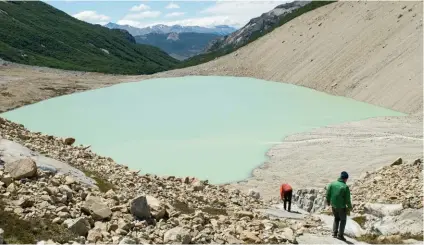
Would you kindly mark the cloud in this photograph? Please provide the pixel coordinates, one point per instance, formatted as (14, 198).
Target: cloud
(140, 7)
(240, 12)
(142, 15)
(174, 14)
(92, 17)
(172, 6)
(223, 12)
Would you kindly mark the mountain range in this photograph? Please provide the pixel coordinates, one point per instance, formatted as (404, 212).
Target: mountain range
(179, 45)
(221, 30)
(256, 26)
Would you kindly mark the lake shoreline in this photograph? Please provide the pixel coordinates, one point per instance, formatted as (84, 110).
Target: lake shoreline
(87, 81)
(319, 158)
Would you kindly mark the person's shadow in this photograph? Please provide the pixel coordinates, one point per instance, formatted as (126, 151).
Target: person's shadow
(293, 212)
(346, 241)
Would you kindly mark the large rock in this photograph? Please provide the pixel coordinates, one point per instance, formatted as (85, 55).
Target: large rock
(311, 200)
(96, 208)
(249, 237)
(353, 229)
(232, 239)
(198, 185)
(177, 234)
(382, 210)
(94, 235)
(6, 179)
(79, 226)
(140, 208)
(157, 208)
(127, 240)
(289, 234)
(1, 236)
(69, 141)
(254, 193)
(408, 222)
(241, 214)
(24, 168)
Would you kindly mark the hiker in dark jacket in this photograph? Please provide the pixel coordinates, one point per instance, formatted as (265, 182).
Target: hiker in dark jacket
(338, 196)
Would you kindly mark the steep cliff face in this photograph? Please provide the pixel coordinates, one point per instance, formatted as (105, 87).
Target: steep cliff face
(255, 25)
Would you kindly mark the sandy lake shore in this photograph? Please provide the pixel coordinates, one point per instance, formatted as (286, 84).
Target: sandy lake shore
(314, 51)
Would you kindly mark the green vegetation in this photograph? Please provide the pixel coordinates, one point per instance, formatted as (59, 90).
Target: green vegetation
(184, 45)
(199, 59)
(103, 184)
(35, 33)
(18, 231)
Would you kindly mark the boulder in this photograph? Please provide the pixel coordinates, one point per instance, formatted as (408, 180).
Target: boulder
(397, 162)
(25, 202)
(289, 234)
(6, 179)
(255, 194)
(382, 210)
(353, 229)
(127, 240)
(157, 208)
(249, 237)
(124, 225)
(241, 214)
(232, 239)
(198, 186)
(94, 235)
(24, 168)
(140, 208)
(69, 141)
(177, 235)
(69, 180)
(79, 226)
(1, 236)
(310, 199)
(96, 208)
(408, 222)
(11, 188)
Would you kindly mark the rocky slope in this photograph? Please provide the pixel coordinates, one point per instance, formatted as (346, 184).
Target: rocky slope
(128, 207)
(259, 24)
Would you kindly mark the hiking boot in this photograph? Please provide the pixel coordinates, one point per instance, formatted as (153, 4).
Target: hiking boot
(341, 238)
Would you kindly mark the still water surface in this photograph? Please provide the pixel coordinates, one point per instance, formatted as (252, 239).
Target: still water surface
(215, 128)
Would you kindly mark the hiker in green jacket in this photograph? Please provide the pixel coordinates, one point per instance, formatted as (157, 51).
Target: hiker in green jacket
(338, 196)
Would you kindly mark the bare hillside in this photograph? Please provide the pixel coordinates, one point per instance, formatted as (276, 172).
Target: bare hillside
(369, 51)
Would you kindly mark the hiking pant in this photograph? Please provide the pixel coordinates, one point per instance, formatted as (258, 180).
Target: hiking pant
(339, 223)
(287, 199)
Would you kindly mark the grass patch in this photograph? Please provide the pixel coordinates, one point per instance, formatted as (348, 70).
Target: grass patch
(361, 220)
(103, 184)
(18, 231)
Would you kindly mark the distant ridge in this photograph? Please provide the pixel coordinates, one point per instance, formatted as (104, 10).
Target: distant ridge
(221, 30)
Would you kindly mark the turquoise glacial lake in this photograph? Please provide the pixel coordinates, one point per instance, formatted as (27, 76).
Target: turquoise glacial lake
(215, 128)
